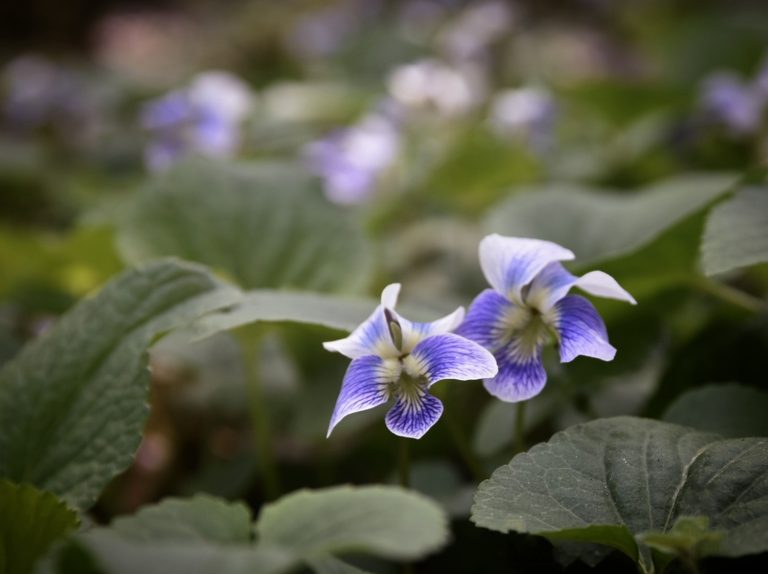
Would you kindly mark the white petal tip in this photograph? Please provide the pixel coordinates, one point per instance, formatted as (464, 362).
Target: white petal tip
(389, 295)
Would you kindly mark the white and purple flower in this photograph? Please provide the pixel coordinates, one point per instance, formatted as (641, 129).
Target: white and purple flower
(205, 118)
(351, 160)
(526, 114)
(736, 104)
(528, 306)
(394, 358)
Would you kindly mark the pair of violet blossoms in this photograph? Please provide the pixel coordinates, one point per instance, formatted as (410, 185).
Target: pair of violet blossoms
(500, 340)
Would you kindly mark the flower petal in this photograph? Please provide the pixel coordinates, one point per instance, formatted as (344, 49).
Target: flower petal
(366, 385)
(511, 263)
(449, 356)
(372, 337)
(414, 333)
(521, 375)
(549, 286)
(603, 285)
(490, 320)
(581, 330)
(389, 295)
(413, 416)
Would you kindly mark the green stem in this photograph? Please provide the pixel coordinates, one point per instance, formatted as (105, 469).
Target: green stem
(520, 427)
(404, 465)
(730, 295)
(462, 445)
(260, 419)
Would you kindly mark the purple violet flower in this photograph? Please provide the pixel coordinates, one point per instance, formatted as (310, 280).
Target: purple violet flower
(529, 305)
(526, 114)
(351, 160)
(732, 102)
(393, 358)
(204, 118)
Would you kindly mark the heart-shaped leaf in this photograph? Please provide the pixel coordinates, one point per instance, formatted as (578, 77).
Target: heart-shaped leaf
(597, 225)
(266, 225)
(74, 401)
(385, 521)
(729, 410)
(736, 234)
(610, 480)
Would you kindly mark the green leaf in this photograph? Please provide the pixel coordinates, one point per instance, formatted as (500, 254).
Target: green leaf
(333, 311)
(385, 521)
(609, 480)
(690, 537)
(73, 402)
(597, 225)
(197, 535)
(736, 234)
(275, 306)
(331, 565)
(202, 517)
(730, 410)
(31, 521)
(266, 225)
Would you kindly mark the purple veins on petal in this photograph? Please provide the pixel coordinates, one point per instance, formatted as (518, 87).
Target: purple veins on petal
(581, 330)
(413, 415)
(485, 320)
(449, 356)
(521, 375)
(366, 385)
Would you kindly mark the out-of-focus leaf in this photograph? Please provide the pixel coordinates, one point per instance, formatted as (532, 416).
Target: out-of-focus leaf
(611, 479)
(690, 537)
(384, 521)
(73, 402)
(266, 225)
(730, 410)
(331, 565)
(197, 535)
(335, 312)
(274, 306)
(200, 517)
(31, 521)
(736, 234)
(596, 225)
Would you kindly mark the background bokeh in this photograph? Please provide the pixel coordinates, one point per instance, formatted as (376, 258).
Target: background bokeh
(339, 146)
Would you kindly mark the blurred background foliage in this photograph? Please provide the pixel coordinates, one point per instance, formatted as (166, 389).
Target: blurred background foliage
(344, 145)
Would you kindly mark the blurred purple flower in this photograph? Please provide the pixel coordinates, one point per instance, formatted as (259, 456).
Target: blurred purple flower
(431, 84)
(38, 91)
(351, 160)
(528, 114)
(393, 358)
(529, 305)
(322, 33)
(732, 102)
(204, 118)
(476, 28)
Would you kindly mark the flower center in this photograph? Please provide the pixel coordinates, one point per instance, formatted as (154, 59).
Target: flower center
(526, 328)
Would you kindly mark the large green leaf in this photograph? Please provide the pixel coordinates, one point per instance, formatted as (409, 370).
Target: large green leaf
(265, 225)
(729, 410)
(31, 521)
(736, 234)
(597, 225)
(274, 306)
(197, 535)
(73, 402)
(267, 305)
(385, 521)
(610, 480)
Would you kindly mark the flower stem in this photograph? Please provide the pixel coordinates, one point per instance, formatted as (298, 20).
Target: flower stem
(730, 295)
(405, 463)
(260, 417)
(520, 427)
(465, 449)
